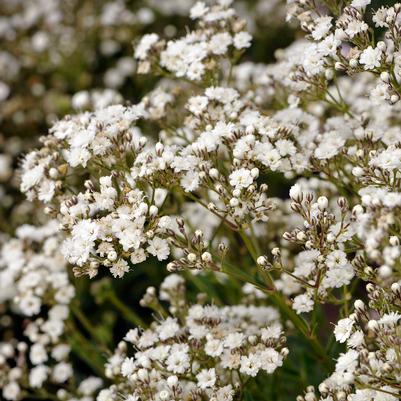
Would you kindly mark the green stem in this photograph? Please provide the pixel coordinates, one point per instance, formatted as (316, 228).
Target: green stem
(86, 351)
(88, 326)
(128, 314)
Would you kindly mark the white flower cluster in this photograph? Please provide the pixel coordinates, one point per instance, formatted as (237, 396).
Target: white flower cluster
(34, 281)
(323, 265)
(276, 184)
(343, 40)
(29, 277)
(219, 33)
(198, 351)
(370, 368)
(111, 219)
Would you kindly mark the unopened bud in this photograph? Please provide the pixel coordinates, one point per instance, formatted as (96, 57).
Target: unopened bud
(322, 203)
(353, 63)
(395, 287)
(255, 172)
(385, 76)
(206, 257)
(191, 257)
(153, 210)
(214, 173)
(276, 252)
(373, 325)
(359, 305)
(234, 202)
(262, 261)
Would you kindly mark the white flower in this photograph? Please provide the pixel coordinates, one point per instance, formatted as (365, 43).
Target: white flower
(127, 367)
(158, 247)
(302, 303)
(343, 329)
(190, 181)
(242, 40)
(197, 104)
(241, 178)
(220, 42)
(38, 375)
(330, 146)
(119, 268)
(355, 27)
(270, 360)
(356, 340)
(138, 256)
(178, 360)
(214, 347)
(347, 362)
(31, 177)
(251, 364)
(11, 391)
(322, 28)
(370, 58)
(168, 328)
(38, 354)
(62, 372)
(30, 305)
(199, 10)
(206, 378)
(145, 44)
(336, 258)
(234, 340)
(390, 319)
(360, 3)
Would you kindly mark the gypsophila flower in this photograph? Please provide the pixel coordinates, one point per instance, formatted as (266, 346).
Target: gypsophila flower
(176, 349)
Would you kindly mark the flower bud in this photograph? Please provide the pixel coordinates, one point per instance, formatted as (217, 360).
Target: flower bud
(206, 257)
(112, 256)
(191, 257)
(357, 171)
(310, 397)
(385, 76)
(353, 63)
(396, 288)
(359, 305)
(322, 203)
(255, 172)
(262, 261)
(172, 381)
(159, 147)
(237, 193)
(234, 202)
(214, 173)
(276, 252)
(373, 325)
(153, 210)
(295, 192)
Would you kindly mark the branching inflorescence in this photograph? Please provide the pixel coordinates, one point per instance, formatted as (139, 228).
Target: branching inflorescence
(271, 193)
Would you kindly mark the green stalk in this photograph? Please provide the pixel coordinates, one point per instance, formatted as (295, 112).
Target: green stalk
(128, 314)
(87, 324)
(86, 351)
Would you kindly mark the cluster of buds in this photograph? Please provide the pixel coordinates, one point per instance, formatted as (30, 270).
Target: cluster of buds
(323, 265)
